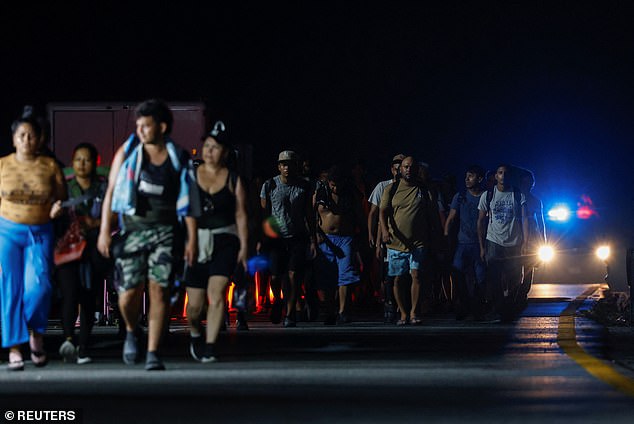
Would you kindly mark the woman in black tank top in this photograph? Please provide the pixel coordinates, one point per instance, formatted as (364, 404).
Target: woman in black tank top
(222, 242)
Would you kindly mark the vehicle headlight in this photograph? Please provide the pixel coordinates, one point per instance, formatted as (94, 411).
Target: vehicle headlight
(603, 252)
(545, 253)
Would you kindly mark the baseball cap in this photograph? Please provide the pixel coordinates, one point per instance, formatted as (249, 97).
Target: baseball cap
(287, 155)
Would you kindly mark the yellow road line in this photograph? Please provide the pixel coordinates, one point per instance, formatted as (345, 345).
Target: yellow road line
(567, 339)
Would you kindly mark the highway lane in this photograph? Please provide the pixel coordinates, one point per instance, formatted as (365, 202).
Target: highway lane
(442, 371)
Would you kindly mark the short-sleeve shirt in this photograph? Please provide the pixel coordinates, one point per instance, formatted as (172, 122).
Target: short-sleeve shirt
(377, 193)
(505, 220)
(466, 204)
(28, 189)
(410, 209)
(288, 205)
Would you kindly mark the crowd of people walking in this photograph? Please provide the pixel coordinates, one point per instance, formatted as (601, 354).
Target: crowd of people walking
(411, 244)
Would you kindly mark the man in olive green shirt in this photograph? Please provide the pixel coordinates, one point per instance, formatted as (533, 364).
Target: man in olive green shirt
(405, 212)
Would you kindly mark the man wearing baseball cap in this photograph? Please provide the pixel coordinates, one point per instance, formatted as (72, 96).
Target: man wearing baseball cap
(286, 200)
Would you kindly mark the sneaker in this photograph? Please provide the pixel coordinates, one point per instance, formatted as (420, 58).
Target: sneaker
(197, 347)
(82, 356)
(153, 362)
(83, 360)
(289, 323)
(209, 355)
(342, 318)
(130, 351)
(67, 351)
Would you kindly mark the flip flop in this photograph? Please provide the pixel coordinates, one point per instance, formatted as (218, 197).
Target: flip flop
(16, 363)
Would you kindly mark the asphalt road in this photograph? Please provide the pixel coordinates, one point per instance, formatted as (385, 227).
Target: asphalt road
(442, 371)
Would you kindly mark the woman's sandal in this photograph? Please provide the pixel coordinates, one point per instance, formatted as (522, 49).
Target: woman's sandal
(39, 359)
(415, 321)
(38, 354)
(16, 363)
(401, 322)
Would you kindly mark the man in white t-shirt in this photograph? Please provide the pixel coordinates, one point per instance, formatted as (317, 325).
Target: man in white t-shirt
(502, 232)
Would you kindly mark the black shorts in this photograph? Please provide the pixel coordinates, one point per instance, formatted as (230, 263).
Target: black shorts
(223, 262)
(287, 254)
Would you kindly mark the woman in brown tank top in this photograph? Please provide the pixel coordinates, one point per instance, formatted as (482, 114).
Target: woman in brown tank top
(31, 187)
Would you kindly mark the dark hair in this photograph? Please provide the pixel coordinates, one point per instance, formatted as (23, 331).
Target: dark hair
(94, 154)
(477, 170)
(158, 110)
(527, 173)
(27, 117)
(219, 133)
(504, 165)
(335, 174)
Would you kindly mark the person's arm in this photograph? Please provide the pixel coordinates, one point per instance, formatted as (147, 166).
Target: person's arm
(384, 211)
(525, 229)
(191, 245)
(104, 240)
(59, 193)
(482, 217)
(449, 222)
(242, 222)
(541, 225)
(373, 227)
(311, 223)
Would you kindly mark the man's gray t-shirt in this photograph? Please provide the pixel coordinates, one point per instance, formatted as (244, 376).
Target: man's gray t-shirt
(466, 204)
(288, 205)
(505, 220)
(375, 196)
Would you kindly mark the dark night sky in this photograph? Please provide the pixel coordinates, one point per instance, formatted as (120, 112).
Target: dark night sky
(545, 86)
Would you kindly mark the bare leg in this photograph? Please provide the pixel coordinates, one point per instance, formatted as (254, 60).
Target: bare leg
(415, 292)
(399, 298)
(216, 289)
(343, 298)
(129, 307)
(156, 321)
(195, 305)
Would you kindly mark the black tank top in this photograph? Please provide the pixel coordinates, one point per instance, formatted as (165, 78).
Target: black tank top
(218, 209)
(157, 193)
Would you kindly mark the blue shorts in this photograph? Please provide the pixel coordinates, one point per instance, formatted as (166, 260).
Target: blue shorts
(335, 263)
(401, 263)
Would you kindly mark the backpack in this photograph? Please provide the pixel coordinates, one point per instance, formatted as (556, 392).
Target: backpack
(269, 186)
